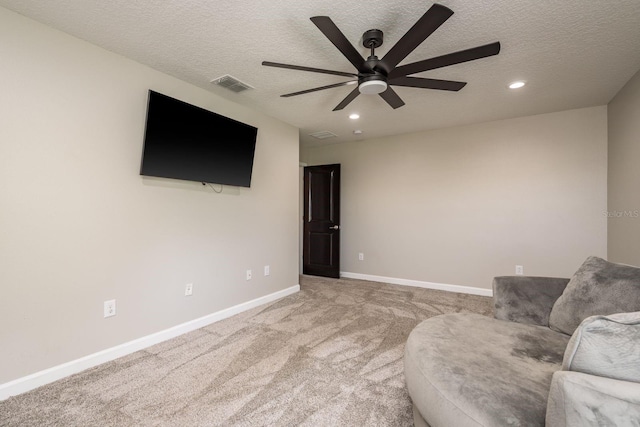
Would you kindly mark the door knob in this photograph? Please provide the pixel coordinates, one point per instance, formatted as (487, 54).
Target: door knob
(335, 227)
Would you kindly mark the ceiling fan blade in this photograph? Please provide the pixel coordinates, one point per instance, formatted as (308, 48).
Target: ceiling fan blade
(352, 95)
(392, 98)
(428, 83)
(426, 25)
(302, 92)
(313, 70)
(333, 33)
(446, 60)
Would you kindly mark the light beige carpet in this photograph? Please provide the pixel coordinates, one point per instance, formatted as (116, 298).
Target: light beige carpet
(330, 355)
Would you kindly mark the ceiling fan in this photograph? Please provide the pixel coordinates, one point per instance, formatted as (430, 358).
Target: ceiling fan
(376, 76)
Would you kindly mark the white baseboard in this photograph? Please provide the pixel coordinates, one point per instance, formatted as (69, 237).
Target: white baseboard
(24, 384)
(420, 284)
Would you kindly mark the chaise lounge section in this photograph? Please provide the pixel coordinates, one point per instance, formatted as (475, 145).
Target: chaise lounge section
(553, 354)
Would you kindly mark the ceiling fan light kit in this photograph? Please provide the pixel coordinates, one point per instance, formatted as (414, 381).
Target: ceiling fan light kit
(372, 87)
(376, 76)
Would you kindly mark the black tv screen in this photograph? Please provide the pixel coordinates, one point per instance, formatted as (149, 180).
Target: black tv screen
(186, 142)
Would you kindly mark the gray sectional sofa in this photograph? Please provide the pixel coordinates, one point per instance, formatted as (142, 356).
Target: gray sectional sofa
(555, 353)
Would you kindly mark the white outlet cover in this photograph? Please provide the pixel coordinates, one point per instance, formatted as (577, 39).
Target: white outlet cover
(361, 256)
(519, 270)
(110, 308)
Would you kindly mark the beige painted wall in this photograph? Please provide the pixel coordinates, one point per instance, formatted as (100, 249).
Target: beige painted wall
(462, 205)
(79, 226)
(624, 174)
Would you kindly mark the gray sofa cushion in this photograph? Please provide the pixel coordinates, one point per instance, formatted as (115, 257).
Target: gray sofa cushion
(472, 370)
(607, 346)
(526, 299)
(598, 287)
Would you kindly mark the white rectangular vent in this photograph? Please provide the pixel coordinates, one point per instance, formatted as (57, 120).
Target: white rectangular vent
(325, 134)
(231, 83)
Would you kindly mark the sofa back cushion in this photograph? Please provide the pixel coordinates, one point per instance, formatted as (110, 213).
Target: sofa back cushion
(598, 287)
(606, 346)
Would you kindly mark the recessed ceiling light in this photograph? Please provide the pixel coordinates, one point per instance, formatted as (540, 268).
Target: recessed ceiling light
(357, 132)
(354, 116)
(516, 85)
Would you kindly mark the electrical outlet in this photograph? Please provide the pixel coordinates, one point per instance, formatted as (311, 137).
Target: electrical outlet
(267, 270)
(248, 274)
(110, 308)
(519, 270)
(188, 289)
(361, 256)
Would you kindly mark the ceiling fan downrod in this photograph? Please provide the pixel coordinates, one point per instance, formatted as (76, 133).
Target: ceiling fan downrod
(372, 82)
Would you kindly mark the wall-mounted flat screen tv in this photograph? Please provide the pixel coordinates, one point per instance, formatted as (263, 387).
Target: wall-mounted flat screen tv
(186, 142)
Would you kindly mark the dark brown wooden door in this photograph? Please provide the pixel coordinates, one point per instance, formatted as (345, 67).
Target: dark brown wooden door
(321, 240)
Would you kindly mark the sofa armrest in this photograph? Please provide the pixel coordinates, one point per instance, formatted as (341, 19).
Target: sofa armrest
(600, 381)
(578, 399)
(526, 299)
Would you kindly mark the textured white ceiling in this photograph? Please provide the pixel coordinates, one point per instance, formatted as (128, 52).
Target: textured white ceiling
(572, 53)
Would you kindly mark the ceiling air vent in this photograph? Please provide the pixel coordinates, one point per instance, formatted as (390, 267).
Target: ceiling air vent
(231, 83)
(325, 134)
